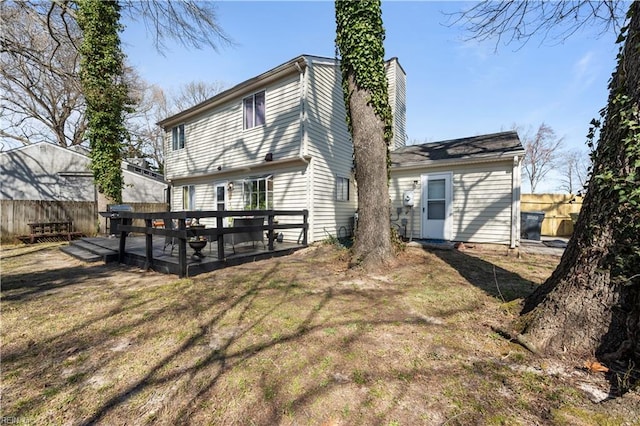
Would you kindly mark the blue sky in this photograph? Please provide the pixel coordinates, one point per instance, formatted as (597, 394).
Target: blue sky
(455, 88)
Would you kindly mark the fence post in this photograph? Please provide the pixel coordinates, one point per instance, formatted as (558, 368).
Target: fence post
(123, 239)
(305, 214)
(219, 221)
(148, 244)
(270, 232)
(182, 248)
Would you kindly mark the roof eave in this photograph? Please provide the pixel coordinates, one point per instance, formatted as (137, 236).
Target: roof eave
(507, 156)
(250, 168)
(247, 86)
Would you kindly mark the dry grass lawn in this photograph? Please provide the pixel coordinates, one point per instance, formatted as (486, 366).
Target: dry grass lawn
(296, 340)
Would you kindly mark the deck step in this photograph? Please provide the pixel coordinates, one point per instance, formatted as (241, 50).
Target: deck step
(80, 253)
(85, 250)
(93, 248)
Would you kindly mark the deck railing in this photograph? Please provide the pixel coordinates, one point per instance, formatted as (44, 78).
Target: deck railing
(182, 233)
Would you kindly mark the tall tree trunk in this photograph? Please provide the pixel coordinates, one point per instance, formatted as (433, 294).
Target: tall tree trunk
(590, 304)
(359, 39)
(372, 246)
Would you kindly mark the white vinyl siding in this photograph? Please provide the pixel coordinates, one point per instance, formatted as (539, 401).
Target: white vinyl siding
(398, 102)
(217, 140)
(481, 200)
(329, 144)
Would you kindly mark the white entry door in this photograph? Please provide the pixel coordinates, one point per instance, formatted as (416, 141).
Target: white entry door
(436, 206)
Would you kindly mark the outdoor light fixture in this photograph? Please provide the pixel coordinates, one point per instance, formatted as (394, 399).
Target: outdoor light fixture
(230, 186)
(268, 157)
(219, 168)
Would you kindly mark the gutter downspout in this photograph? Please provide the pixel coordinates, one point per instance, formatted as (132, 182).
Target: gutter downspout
(515, 203)
(303, 149)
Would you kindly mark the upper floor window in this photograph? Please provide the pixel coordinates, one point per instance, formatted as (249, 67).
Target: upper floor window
(177, 137)
(342, 189)
(253, 110)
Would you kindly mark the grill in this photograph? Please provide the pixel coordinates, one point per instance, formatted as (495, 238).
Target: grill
(113, 219)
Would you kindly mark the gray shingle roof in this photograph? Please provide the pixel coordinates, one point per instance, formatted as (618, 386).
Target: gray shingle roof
(495, 145)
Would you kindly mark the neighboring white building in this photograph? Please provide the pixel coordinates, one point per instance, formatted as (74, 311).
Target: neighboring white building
(280, 140)
(48, 172)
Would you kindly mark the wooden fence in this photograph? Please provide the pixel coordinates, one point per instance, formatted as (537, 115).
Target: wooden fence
(558, 211)
(15, 215)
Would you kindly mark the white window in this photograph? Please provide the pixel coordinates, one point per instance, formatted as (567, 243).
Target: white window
(342, 189)
(177, 137)
(188, 197)
(253, 110)
(257, 193)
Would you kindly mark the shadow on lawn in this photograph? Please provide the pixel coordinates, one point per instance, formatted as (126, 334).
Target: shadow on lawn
(494, 280)
(231, 354)
(252, 308)
(19, 287)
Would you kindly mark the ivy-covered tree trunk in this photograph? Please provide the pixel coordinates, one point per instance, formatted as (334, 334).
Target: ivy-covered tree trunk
(359, 40)
(101, 74)
(591, 303)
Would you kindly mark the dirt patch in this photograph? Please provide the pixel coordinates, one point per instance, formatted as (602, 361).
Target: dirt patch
(294, 340)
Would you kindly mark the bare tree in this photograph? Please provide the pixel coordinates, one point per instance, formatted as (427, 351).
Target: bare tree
(541, 154)
(574, 168)
(590, 304)
(193, 93)
(154, 104)
(519, 21)
(191, 22)
(42, 99)
(39, 65)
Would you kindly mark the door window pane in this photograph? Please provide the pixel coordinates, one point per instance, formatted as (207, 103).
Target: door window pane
(436, 210)
(220, 198)
(436, 189)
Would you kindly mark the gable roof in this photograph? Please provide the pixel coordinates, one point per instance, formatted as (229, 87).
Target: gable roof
(491, 147)
(297, 64)
(246, 87)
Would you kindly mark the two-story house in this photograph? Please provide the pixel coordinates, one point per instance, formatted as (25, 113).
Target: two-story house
(278, 140)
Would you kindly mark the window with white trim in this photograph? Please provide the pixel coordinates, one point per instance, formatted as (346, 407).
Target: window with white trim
(188, 197)
(342, 189)
(253, 110)
(177, 137)
(257, 193)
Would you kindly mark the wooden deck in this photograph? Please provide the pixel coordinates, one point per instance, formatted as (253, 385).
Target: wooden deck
(249, 236)
(166, 261)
